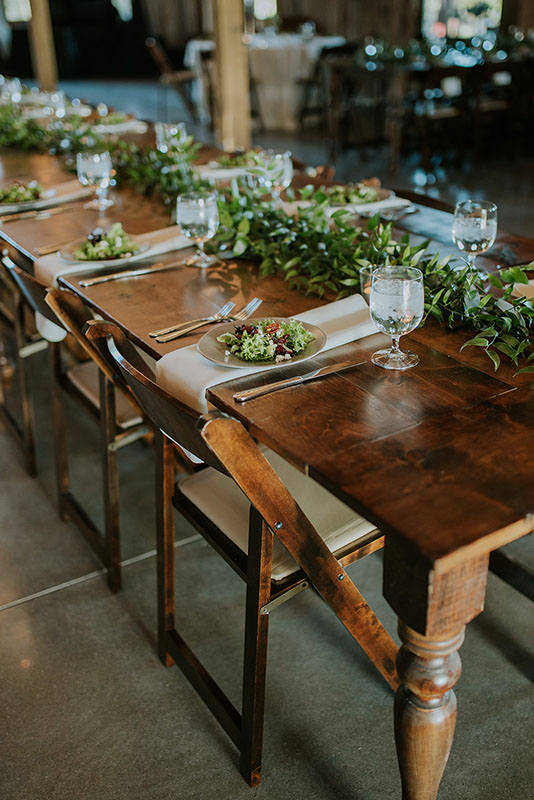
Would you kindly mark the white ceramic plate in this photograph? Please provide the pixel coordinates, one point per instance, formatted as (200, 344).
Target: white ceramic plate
(215, 351)
(28, 205)
(68, 255)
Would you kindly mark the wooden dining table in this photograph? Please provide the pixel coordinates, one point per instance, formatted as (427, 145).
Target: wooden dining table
(439, 457)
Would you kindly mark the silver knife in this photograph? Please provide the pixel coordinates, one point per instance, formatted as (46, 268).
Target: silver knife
(130, 273)
(37, 213)
(250, 394)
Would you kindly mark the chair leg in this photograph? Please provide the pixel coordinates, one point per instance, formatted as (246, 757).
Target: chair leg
(256, 633)
(60, 436)
(165, 542)
(110, 483)
(28, 440)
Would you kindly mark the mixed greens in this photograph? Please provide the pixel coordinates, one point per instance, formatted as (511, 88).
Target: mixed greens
(19, 192)
(239, 158)
(100, 246)
(267, 340)
(352, 193)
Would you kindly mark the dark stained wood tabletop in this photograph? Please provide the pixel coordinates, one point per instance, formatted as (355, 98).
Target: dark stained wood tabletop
(363, 433)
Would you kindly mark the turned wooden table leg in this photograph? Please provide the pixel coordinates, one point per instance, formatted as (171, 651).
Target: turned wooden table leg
(425, 709)
(434, 602)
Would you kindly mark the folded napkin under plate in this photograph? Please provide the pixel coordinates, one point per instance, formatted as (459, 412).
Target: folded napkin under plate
(186, 374)
(218, 173)
(65, 192)
(115, 128)
(49, 268)
(388, 204)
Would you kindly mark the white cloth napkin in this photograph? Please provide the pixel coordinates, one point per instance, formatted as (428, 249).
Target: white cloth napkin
(64, 192)
(355, 208)
(128, 126)
(217, 173)
(186, 374)
(524, 290)
(49, 268)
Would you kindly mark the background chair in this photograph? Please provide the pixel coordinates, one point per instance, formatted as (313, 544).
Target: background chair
(237, 502)
(103, 393)
(13, 306)
(181, 80)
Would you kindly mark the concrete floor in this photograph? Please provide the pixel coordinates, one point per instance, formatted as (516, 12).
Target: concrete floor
(90, 713)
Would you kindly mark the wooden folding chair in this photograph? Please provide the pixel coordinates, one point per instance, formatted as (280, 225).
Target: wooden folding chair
(237, 502)
(181, 80)
(101, 391)
(107, 398)
(27, 343)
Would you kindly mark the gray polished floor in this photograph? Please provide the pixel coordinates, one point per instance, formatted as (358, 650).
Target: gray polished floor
(90, 713)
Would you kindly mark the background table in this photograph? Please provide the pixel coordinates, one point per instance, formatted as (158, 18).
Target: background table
(277, 63)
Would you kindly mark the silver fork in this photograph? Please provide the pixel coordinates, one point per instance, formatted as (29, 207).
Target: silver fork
(242, 314)
(221, 313)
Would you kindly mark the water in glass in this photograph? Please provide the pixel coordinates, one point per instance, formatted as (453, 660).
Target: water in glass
(197, 215)
(474, 228)
(95, 169)
(397, 307)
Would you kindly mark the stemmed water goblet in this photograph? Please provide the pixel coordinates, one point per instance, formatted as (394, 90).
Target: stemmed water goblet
(197, 215)
(95, 169)
(274, 172)
(474, 228)
(397, 305)
(170, 136)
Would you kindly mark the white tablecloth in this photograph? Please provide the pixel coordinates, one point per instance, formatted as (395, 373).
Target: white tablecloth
(277, 63)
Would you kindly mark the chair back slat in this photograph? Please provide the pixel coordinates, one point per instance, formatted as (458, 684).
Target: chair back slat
(177, 421)
(32, 290)
(159, 55)
(74, 315)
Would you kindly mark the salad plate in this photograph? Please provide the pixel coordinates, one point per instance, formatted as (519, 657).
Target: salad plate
(106, 248)
(219, 352)
(42, 201)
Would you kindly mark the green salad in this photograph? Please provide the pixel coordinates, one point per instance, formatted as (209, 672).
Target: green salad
(113, 118)
(18, 192)
(239, 158)
(100, 246)
(352, 193)
(267, 340)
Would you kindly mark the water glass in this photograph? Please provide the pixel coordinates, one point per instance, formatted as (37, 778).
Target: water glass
(12, 90)
(95, 169)
(397, 305)
(366, 275)
(197, 215)
(474, 228)
(274, 172)
(170, 136)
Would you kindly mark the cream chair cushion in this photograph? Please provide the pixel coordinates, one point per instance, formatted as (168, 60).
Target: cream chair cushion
(84, 376)
(220, 499)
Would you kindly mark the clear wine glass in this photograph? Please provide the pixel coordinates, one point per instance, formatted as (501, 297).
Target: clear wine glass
(397, 304)
(274, 172)
(197, 215)
(170, 136)
(474, 228)
(95, 169)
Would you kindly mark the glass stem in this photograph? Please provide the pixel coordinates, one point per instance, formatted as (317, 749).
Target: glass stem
(471, 258)
(395, 344)
(101, 193)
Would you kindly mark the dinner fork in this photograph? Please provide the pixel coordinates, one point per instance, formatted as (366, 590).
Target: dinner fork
(220, 314)
(241, 315)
